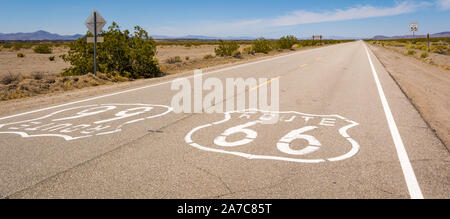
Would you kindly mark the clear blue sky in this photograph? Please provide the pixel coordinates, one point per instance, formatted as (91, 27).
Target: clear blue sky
(269, 18)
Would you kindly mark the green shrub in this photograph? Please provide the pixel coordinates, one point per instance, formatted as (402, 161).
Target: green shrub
(43, 49)
(17, 46)
(27, 45)
(20, 55)
(248, 50)
(122, 54)
(424, 55)
(226, 48)
(237, 54)
(51, 58)
(7, 46)
(287, 42)
(441, 49)
(262, 45)
(411, 52)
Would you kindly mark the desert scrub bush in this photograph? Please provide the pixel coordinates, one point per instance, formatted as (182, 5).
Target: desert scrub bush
(226, 48)
(7, 45)
(296, 46)
(287, 42)
(411, 52)
(37, 75)
(424, 55)
(248, 50)
(262, 45)
(237, 54)
(187, 58)
(20, 55)
(122, 53)
(209, 56)
(17, 46)
(51, 58)
(11, 78)
(173, 60)
(440, 49)
(43, 49)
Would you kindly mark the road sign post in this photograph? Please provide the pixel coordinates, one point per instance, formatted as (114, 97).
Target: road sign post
(428, 39)
(95, 43)
(95, 24)
(414, 27)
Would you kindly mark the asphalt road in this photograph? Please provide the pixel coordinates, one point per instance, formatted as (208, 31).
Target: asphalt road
(365, 139)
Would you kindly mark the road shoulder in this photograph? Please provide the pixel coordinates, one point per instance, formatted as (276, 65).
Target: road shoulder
(426, 86)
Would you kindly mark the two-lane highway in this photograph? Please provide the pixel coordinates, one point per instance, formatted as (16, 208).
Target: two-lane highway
(344, 130)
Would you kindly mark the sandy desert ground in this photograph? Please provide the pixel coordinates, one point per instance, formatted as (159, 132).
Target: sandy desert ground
(427, 86)
(33, 62)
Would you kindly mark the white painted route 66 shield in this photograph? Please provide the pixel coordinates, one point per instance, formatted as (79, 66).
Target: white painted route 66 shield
(284, 136)
(84, 121)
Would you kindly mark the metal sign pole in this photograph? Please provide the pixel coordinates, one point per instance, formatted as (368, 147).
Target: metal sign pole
(95, 43)
(95, 23)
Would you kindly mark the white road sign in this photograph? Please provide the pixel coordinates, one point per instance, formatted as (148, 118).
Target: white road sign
(90, 23)
(414, 27)
(99, 39)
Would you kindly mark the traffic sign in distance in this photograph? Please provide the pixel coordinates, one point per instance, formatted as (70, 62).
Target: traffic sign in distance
(90, 23)
(414, 27)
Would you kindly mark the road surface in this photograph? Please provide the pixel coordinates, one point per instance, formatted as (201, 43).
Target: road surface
(345, 130)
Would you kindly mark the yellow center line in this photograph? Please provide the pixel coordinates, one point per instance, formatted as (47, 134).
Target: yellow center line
(304, 65)
(267, 82)
(318, 58)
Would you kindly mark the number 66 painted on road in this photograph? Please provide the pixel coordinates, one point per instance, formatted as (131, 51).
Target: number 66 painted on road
(283, 145)
(309, 123)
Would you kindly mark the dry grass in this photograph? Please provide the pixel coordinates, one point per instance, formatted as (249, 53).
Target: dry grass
(14, 86)
(439, 55)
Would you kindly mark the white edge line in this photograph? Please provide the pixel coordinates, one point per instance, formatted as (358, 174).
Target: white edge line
(162, 83)
(408, 171)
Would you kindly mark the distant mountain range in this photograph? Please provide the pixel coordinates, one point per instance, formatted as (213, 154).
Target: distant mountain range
(442, 34)
(38, 35)
(44, 35)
